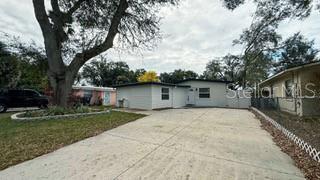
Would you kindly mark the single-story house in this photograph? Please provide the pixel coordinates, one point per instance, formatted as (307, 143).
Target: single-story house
(191, 92)
(96, 95)
(296, 90)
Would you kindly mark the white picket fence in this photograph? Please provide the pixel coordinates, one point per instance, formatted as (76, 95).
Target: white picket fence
(313, 152)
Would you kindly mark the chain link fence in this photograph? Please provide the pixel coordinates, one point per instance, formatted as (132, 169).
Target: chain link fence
(297, 118)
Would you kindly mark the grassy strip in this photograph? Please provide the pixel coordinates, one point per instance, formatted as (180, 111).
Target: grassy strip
(309, 167)
(21, 141)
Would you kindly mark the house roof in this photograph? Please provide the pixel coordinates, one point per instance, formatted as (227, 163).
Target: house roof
(206, 80)
(93, 88)
(316, 63)
(150, 83)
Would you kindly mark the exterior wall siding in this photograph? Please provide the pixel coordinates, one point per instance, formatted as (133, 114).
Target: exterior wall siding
(310, 87)
(139, 97)
(288, 105)
(218, 92)
(96, 95)
(179, 97)
(150, 96)
(113, 98)
(157, 102)
(238, 99)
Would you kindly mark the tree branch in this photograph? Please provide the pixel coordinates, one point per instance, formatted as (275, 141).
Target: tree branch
(59, 20)
(55, 6)
(75, 7)
(42, 17)
(54, 56)
(86, 55)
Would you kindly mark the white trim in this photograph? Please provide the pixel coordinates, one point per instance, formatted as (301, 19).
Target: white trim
(93, 88)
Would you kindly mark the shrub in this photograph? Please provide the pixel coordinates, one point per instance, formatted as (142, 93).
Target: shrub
(53, 111)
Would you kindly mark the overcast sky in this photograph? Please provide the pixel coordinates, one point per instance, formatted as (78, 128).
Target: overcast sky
(194, 32)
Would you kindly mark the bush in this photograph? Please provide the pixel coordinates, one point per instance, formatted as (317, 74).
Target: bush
(53, 111)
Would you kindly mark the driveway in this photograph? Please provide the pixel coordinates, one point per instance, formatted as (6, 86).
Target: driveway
(206, 143)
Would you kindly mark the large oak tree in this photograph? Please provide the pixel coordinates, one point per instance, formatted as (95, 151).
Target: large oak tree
(76, 31)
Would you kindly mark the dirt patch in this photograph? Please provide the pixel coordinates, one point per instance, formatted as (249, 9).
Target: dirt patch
(308, 166)
(307, 128)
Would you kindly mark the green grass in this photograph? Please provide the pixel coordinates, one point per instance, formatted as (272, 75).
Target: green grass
(21, 141)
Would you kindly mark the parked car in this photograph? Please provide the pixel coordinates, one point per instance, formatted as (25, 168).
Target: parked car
(21, 98)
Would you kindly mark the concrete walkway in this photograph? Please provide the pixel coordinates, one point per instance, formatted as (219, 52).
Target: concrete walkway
(170, 144)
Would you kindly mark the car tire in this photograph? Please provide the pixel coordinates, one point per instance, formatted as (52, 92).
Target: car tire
(3, 108)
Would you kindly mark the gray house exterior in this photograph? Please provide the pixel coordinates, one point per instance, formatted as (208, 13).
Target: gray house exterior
(151, 95)
(193, 92)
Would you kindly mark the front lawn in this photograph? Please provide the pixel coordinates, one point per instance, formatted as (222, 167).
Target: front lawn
(21, 141)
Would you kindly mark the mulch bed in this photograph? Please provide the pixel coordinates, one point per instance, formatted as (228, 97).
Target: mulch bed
(308, 166)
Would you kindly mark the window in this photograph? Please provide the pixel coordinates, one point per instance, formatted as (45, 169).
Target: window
(204, 92)
(87, 93)
(15, 93)
(3, 92)
(31, 94)
(165, 93)
(289, 88)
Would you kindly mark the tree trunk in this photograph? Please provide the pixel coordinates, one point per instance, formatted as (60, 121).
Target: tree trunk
(62, 86)
(245, 69)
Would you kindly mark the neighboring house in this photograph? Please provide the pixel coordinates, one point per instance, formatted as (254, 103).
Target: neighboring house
(295, 90)
(96, 95)
(193, 92)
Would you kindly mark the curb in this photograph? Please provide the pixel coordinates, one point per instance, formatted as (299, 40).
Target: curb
(25, 119)
(313, 153)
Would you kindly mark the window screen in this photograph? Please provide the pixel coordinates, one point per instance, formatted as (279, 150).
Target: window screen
(204, 92)
(165, 93)
(289, 90)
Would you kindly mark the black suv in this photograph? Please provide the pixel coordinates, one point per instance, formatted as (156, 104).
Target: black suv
(21, 98)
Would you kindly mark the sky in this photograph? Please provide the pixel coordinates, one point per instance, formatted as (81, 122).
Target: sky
(194, 33)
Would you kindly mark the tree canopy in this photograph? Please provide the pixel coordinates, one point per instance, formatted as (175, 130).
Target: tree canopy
(214, 70)
(9, 68)
(296, 50)
(149, 76)
(22, 66)
(178, 75)
(104, 73)
(261, 39)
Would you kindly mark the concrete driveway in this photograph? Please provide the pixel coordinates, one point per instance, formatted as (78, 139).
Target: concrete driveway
(171, 144)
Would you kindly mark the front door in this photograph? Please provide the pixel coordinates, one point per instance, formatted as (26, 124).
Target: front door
(191, 96)
(106, 99)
